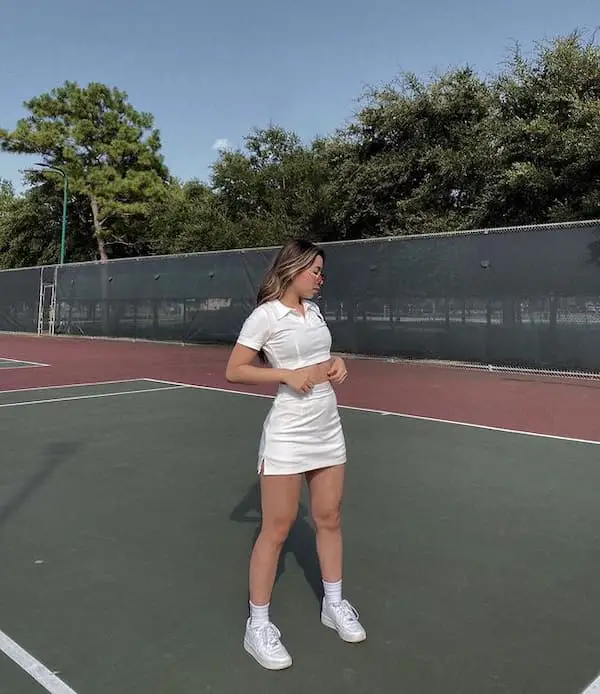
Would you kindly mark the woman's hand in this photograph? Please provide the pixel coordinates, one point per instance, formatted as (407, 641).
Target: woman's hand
(301, 380)
(337, 371)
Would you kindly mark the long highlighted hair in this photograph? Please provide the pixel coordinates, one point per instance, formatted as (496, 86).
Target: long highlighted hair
(295, 257)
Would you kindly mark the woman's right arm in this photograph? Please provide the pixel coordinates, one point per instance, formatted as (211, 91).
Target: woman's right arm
(255, 332)
(241, 370)
(252, 337)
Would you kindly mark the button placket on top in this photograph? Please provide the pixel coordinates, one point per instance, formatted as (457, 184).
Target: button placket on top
(296, 345)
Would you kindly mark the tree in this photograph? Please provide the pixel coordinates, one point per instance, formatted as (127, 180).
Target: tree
(109, 151)
(415, 158)
(30, 227)
(7, 197)
(190, 219)
(453, 152)
(547, 136)
(274, 190)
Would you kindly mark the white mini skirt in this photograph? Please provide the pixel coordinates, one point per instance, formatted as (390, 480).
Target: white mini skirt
(302, 432)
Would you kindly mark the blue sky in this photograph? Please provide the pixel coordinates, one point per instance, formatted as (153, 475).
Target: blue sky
(212, 71)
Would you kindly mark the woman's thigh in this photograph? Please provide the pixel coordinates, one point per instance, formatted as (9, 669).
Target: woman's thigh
(280, 500)
(326, 492)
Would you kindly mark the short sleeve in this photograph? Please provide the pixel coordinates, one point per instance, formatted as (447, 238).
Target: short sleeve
(255, 330)
(317, 310)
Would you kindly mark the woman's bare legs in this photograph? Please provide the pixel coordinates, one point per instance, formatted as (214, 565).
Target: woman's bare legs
(280, 498)
(326, 491)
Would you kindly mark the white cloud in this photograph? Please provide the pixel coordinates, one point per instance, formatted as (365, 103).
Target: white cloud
(221, 144)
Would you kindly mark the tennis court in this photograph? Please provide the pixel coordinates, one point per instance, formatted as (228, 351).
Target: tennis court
(17, 363)
(128, 509)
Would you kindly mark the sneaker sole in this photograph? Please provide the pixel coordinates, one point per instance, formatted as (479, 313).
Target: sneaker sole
(268, 665)
(348, 638)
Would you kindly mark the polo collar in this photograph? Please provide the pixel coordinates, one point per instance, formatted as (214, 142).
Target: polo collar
(282, 310)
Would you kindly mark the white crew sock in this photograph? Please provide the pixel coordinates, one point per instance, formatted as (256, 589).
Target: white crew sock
(333, 592)
(259, 615)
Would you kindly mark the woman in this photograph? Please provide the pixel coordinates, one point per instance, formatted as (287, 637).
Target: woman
(302, 437)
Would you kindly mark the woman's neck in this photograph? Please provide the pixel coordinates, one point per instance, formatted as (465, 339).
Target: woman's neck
(292, 301)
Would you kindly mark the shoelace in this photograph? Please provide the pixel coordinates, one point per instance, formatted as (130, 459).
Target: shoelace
(269, 635)
(347, 613)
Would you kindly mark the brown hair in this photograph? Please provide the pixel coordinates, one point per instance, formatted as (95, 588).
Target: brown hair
(295, 257)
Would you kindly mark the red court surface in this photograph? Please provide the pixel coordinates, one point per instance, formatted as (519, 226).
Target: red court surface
(529, 403)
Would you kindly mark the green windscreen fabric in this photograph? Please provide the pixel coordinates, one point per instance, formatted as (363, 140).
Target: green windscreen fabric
(516, 297)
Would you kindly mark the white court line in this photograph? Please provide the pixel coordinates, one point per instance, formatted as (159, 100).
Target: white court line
(12, 367)
(403, 415)
(33, 667)
(89, 397)
(22, 361)
(593, 687)
(74, 385)
(39, 672)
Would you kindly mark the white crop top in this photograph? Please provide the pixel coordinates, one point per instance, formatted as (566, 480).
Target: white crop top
(289, 340)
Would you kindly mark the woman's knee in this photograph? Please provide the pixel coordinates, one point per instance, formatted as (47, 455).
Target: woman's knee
(276, 530)
(327, 517)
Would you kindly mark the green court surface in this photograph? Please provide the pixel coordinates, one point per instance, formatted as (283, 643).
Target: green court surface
(128, 512)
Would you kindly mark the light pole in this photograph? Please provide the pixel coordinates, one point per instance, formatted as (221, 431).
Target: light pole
(63, 236)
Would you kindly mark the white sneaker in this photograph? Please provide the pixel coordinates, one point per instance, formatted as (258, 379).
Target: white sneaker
(344, 619)
(263, 643)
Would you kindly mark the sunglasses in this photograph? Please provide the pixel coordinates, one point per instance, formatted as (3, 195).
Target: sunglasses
(318, 274)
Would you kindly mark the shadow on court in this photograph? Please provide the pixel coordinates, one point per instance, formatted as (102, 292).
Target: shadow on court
(301, 542)
(54, 455)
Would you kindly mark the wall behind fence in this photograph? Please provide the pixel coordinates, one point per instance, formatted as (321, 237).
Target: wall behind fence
(518, 297)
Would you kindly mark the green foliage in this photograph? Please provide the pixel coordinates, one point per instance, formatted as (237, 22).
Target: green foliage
(30, 227)
(454, 152)
(417, 157)
(109, 151)
(547, 133)
(190, 219)
(274, 190)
